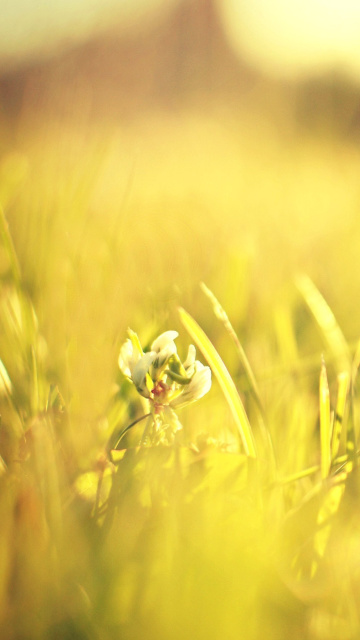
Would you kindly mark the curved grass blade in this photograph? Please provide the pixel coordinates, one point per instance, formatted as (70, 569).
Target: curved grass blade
(326, 321)
(223, 317)
(224, 379)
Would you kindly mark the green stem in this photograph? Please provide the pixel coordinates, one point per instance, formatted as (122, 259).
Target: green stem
(129, 427)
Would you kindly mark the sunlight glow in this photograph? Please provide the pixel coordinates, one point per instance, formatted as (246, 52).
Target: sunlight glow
(299, 37)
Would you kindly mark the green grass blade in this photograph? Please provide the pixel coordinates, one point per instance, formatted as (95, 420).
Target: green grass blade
(223, 317)
(325, 422)
(325, 319)
(224, 379)
(299, 475)
(343, 389)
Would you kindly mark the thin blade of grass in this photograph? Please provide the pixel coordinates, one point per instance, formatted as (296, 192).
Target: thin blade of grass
(299, 475)
(326, 321)
(325, 422)
(343, 388)
(340, 461)
(224, 379)
(221, 314)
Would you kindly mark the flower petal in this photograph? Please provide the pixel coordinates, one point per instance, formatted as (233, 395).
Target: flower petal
(190, 360)
(162, 357)
(128, 358)
(140, 372)
(198, 387)
(163, 340)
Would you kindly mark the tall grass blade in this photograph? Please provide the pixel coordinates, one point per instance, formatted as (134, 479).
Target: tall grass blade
(333, 336)
(221, 314)
(299, 475)
(224, 379)
(343, 388)
(325, 422)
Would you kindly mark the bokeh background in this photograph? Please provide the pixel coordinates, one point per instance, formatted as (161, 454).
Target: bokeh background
(148, 145)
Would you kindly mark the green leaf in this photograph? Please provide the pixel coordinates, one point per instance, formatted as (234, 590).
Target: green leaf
(224, 379)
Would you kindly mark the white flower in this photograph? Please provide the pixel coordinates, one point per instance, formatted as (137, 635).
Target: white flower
(159, 374)
(165, 347)
(200, 384)
(164, 340)
(140, 374)
(128, 358)
(189, 363)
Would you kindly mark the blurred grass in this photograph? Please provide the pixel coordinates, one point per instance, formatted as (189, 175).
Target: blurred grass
(115, 226)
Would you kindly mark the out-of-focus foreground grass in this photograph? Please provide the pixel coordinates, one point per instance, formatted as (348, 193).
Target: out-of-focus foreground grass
(114, 227)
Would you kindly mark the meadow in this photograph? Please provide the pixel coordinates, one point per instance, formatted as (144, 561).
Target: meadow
(245, 522)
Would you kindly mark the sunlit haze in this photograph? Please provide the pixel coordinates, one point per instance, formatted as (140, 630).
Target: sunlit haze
(284, 38)
(296, 37)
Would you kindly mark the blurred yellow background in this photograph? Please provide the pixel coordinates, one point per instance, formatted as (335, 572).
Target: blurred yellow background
(147, 146)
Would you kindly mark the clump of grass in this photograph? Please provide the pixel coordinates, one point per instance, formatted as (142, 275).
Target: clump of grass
(202, 534)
